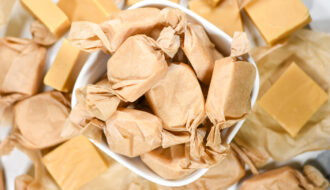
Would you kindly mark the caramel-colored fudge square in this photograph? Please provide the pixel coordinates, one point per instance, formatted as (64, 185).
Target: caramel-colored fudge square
(226, 15)
(48, 14)
(293, 99)
(96, 11)
(74, 163)
(277, 19)
(66, 67)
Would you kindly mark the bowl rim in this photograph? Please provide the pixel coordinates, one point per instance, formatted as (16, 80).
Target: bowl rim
(121, 159)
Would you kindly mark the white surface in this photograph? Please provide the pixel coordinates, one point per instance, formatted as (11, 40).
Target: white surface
(17, 163)
(94, 70)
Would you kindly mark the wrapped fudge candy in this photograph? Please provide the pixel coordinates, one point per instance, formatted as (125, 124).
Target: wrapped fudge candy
(95, 104)
(178, 99)
(21, 68)
(133, 132)
(229, 171)
(230, 91)
(287, 178)
(38, 120)
(229, 95)
(41, 34)
(110, 34)
(135, 67)
(200, 51)
(169, 163)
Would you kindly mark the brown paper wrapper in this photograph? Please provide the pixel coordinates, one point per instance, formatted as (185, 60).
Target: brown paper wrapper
(227, 105)
(200, 51)
(41, 35)
(95, 104)
(121, 179)
(169, 163)
(286, 178)
(179, 105)
(219, 177)
(110, 34)
(133, 132)
(21, 68)
(135, 67)
(232, 102)
(38, 121)
(261, 134)
(168, 41)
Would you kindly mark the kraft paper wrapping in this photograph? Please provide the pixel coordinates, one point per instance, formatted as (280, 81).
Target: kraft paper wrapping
(95, 104)
(38, 121)
(21, 68)
(181, 108)
(219, 177)
(168, 41)
(110, 34)
(133, 132)
(261, 135)
(287, 178)
(200, 51)
(135, 67)
(232, 102)
(169, 163)
(178, 99)
(41, 35)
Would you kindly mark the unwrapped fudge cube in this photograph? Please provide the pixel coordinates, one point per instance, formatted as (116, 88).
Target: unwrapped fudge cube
(66, 67)
(277, 19)
(74, 163)
(293, 99)
(226, 15)
(88, 10)
(49, 14)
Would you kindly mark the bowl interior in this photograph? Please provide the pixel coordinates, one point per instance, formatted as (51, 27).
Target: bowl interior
(95, 68)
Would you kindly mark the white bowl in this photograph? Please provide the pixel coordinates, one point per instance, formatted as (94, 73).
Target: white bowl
(95, 68)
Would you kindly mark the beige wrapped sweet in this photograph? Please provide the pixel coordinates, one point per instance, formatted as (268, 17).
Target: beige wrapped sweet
(110, 34)
(200, 51)
(231, 103)
(22, 64)
(287, 178)
(221, 176)
(206, 148)
(135, 67)
(38, 120)
(95, 104)
(178, 99)
(169, 163)
(168, 41)
(41, 34)
(133, 132)
(228, 99)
